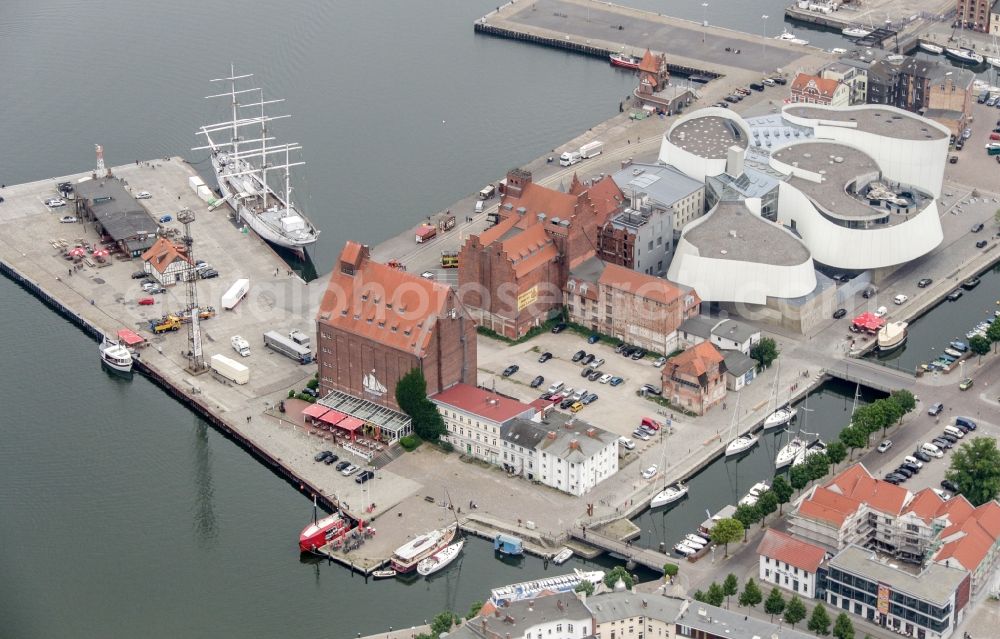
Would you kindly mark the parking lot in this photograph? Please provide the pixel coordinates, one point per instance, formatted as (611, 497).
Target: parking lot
(618, 409)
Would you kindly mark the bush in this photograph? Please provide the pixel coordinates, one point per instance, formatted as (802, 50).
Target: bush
(306, 398)
(670, 569)
(291, 393)
(313, 383)
(445, 446)
(410, 442)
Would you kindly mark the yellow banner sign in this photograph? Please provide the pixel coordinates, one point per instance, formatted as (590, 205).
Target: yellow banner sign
(527, 298)
(883, 599)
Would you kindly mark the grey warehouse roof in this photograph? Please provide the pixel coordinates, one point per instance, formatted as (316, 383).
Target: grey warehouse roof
(122, 216)
(935, 583)
(737, 364)
(893, 124)
(699, 325)
(736, 331)
(707, 137)
(719, 622)
(613, 606)
(569, 429)
(663, 184)
(731, 232)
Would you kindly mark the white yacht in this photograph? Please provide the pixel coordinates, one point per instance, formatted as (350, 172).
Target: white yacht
(562, 556)
(963, 54)
(685, 549)
(668, 495)
(816, 447)
(697, 545)
(892, 336)
(741, 444)
(788, 36)
(755, 492)
(440, 559)
(789, 452)
(779, 417)
(115, 356)
(854, 32)
(242, 167)
(696, 539)
(931, 48)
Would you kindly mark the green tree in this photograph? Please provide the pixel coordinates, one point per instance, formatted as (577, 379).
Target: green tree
(817, 464)
(442, 622)
(699, 596)
(843, 628)
(979, 345)
(819, 621)
(730, 587)
(715, 595)
(765, 351)
(782, 490)
(616, 573)
(478, 605)
(411, 395)
(746, 515)
(975, 469)
(868, 420)
(798, 476)
(893, 414)
(836, 452)
(853, 437)
(726, 531)
(993, 334)
(751, 595)
(670, 570)
(585, 586)
(904, 399)
(767, 503)
(795, 611)
(775, 603)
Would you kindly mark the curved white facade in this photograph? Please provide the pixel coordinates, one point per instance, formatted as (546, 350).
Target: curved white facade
(917, 160)
(692, 164)
(720, 278)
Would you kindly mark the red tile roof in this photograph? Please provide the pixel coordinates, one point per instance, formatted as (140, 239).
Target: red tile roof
(649, 287)
(825, 86)
(163, 253)
(482, 402)
(926, 505)
(649, 63)
(856, 482)
(601, 199)
(828, 506)
(383, 304)
(783, 547)
(695, 361)
(529, 249)
(969, 546)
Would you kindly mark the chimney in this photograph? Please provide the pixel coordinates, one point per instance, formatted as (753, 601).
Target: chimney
(734, 162)
(551, 435)
(592, 432)
(574, 444)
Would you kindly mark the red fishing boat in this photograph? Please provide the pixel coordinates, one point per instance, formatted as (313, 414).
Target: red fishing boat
(320, 532)
(625, 61)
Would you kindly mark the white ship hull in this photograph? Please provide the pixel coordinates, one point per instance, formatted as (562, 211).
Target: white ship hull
(964, 55)
(931, 48)
(754, 494)
(562, 557)
(668, 495)
(116, 357)
(740, 444)
(892, 336)
(789, 452)
(439, 560)
(779, 417)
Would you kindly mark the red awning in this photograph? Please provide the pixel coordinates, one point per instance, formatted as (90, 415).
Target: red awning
(351, 424)
(869, 322)
(332, 417)
(315, 411)
(130, 337)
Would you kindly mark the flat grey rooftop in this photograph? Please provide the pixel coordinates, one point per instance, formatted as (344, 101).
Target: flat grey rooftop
(612, 606)
(935, 584)
(733, 624)
(663, 184)
(732, 232)
(838, 164)
(707, 137)
(891, 124)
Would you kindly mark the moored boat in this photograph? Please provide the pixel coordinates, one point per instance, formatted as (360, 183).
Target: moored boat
(892, 336)
(440, 559)
(779, 417)
(407, 556)
(754, 494)
(970, 283)
(741, 444)
(684, 549)
(789, 452)
(530, 589)
(697, 539)
(116, 356)
(959, 346)
(931, 48)
(788, 36)
(952, 352)
(625, 61)
(323, 531)
(668, 495)
(384, 574)
(697, 545)
(855, 32)
(562, 556)
(963, 54)
(816, 447)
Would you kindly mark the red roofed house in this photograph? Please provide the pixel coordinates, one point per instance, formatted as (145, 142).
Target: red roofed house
(695, 380)
(654, 73)
(474, 417)
(377, 323)
(788, 562)
(813, 89)
(511, 276)
(634, 307)
(973, 544)
(165, 261)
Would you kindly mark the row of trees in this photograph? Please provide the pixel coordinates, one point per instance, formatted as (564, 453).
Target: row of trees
(792, 611)
(879, 415)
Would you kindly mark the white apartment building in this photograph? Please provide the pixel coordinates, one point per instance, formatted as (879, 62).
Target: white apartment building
(474, 417)
(789, 563)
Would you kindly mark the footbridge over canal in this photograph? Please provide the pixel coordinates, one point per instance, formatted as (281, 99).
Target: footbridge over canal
(646, 557)
(872, 375)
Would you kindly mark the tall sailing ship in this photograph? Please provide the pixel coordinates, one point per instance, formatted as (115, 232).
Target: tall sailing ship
(243, 167)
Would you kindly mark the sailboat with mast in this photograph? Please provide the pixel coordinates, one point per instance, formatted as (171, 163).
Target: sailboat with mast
(669, 494)
(743, 442)
(243, 168)
(796, 449)
(778, 416)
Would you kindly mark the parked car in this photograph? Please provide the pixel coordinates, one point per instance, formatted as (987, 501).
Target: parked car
(639, 354)
(55, 202)
(342, 465)
(166, 218)
(208, 274)
(978, 227)
(885, 445)
(626, 443)
(544, 357)
(965, 384)
(893, 479)
(881, 311)
(138, 275)
(621, 347)
(924, 283)
(559, 328)
(604, 379)
(148, 285)
(615, 381)
(922, 456)
(593, 339)
(905, 472)
(869, 292)
(566, 403)
(143, 195)
(364, 476)
(594, 376)
(942, 443)
(350, 470)
(586, 371)
(653, 390)
(900, 299)
(651, 423)
(312, 392)
(538, 381)
(840, 312)
(157, 290)
(947, 484)
(146, 301)
(965, 423)
(428, 275)
(913, 468)
(935, 409)
(641, 434)
(982, 243)
(949, 438)
(330, 459)
(576, 407)
(579, 394)
(910, 459)
(953, 159)
(577, 356)
(650, 472)
(510, 370)
(589, 398)
(588, 359)
(321, 455)
(68, 219)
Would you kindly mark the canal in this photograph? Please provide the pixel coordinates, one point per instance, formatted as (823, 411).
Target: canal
(930, 334)
(726, 480)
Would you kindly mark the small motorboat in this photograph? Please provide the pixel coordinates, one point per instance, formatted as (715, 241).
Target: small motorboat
(384, 574)
(854, 32)
(668, 495)
(684, 549)
(970, 283)
(562, 556)
(697, 545)
(959, 346)
(741, 444)
(755, 492)
(951, 352)
(931, 48)
(695, 539)
(116, 356)
(440, 559)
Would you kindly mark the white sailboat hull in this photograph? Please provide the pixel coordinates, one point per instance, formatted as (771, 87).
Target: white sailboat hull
(741, 444)
(439, 560)
(779, 417)
(931, 48)
(668, 496)
(789, 452)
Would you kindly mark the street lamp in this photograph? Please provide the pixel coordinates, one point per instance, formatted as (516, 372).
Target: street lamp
(704, 20)
(764, 33)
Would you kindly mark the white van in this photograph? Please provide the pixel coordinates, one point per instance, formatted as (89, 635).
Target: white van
(957, 432)
(626, 443)
(569, 158)
(932, 450)
(555, 388)
(479, 206)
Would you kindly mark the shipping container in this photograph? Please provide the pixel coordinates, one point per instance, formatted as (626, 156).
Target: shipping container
(281, 344)
(231, 370)
(235, 293)
(591, 149)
